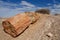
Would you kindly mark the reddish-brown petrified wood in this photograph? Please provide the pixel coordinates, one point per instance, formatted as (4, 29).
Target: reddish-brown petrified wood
(17, 24)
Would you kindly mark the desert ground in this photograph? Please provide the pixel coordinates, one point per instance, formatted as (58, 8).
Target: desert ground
(46, 28)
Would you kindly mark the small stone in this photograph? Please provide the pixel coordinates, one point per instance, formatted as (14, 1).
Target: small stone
(49, 35)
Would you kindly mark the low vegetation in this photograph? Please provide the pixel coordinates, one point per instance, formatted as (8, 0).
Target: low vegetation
(43, 11)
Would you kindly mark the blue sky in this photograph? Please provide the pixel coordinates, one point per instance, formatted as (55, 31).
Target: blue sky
(10, 8)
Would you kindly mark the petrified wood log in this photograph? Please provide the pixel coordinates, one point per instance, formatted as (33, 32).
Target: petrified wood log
(17, 24)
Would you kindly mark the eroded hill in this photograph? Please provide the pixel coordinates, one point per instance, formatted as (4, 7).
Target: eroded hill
(46, 28)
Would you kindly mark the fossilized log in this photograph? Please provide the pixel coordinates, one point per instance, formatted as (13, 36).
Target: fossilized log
(17, 24)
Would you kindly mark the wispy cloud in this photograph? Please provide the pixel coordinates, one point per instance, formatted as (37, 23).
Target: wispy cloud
(25, 3)
(7, 4)
(55, 8)
(10, 9)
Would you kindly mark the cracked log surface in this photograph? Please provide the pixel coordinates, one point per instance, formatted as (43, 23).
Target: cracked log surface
(46, 28)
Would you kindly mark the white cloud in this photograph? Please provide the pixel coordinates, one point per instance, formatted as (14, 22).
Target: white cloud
(7, 12)
(25, 3)
(49, 4)
(55, 8)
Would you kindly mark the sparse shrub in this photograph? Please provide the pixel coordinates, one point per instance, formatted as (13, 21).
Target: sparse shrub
(56, 14)
(43, 11)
